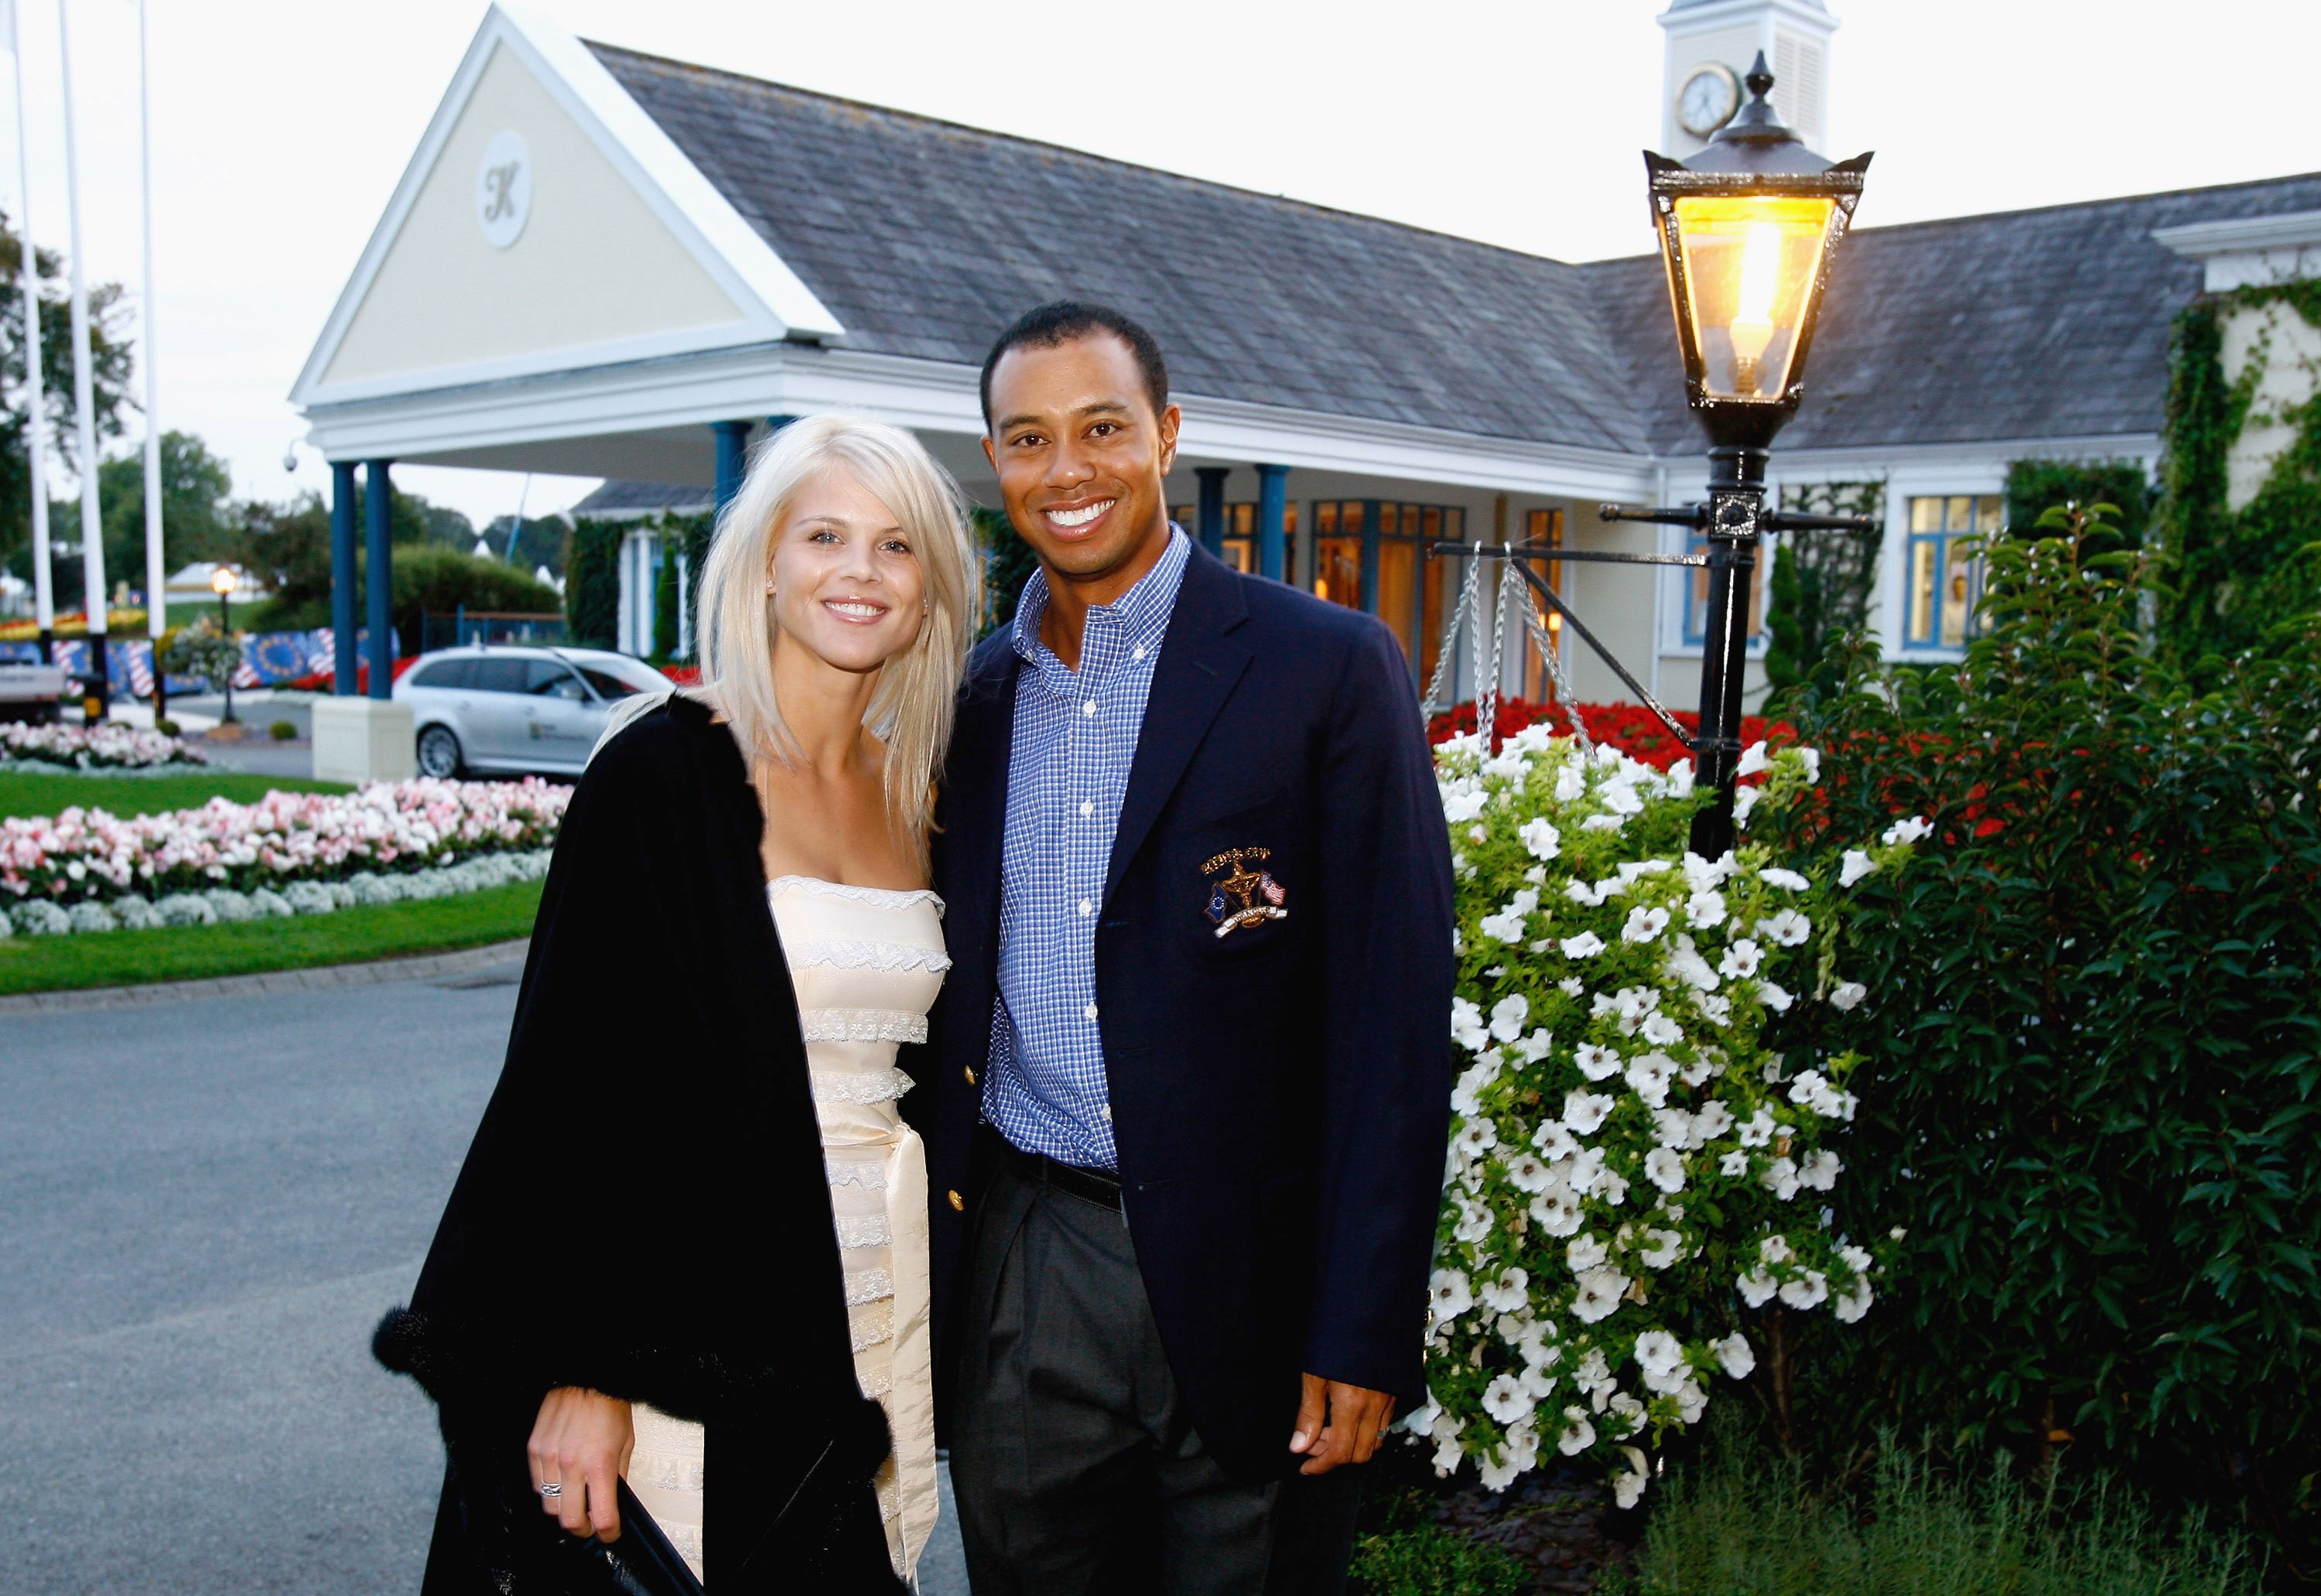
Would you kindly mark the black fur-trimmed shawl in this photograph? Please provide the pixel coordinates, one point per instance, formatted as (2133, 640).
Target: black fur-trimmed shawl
(644, 1210)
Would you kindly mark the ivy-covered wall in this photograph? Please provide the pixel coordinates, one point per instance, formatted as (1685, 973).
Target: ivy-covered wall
(592, 585)
(1820, 583)
(2239, 516)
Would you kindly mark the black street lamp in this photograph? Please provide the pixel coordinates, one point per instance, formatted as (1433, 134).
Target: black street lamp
(1747, 229)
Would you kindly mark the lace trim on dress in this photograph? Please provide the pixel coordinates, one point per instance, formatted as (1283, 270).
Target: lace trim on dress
(667, 1472)
(872, 1324)
(858, 1086)
(869, 1286)
(862, 1024)
(879, 1385)
(864, 1230)
(886, 957)
(882, 897)
(871, 1176)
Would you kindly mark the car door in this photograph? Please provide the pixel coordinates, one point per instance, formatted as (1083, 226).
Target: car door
(561, 717)
(496, 732)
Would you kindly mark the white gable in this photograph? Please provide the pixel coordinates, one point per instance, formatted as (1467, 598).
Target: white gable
(546, 223)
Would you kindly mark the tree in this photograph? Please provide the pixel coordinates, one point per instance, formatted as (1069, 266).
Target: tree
(196, 520)
(112, 365)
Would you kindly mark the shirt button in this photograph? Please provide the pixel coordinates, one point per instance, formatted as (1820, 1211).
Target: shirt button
(1087, 807)
(1087, 907)
(958, 1204)
(1140, 652)
(1106, 1112)
(1088, 707)
(1090, 1011)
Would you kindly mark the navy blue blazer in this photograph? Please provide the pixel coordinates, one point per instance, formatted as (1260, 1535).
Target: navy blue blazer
(1281, 1093)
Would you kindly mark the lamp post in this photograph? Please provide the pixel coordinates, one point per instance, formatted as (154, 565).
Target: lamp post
(1747, 230)
(223, 584)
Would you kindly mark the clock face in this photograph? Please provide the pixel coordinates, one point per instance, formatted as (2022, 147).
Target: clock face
(1707, 100)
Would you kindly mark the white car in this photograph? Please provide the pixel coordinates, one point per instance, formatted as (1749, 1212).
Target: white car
(516, 709)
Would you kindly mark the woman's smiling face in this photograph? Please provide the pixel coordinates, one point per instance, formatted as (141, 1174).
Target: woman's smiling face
(847, 583)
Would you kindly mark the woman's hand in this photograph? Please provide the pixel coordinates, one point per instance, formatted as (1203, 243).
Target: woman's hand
(580, 1444)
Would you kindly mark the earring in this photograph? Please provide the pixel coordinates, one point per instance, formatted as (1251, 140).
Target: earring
(769, 586)
(927, 606)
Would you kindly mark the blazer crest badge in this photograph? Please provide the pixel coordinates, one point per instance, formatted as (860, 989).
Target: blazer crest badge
(1240, 895)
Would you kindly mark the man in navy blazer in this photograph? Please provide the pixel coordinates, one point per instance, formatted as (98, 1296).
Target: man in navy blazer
(1191, 1087)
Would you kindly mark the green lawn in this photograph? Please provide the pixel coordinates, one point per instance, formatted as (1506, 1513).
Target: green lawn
(130, 958)
(143, 795)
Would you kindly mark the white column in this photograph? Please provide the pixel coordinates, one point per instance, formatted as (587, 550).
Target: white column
(157, 575)
(36, 443)
(92, 523)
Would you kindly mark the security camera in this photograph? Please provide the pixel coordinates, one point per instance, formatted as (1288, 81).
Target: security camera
(290, 458)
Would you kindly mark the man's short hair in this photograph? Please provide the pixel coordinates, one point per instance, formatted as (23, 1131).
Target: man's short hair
(1060, 321)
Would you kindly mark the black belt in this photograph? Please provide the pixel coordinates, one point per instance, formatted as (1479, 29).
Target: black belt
(1088, 1185)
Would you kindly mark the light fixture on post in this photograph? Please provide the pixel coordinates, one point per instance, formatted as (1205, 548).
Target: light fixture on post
(223, 583)
(1747, 230)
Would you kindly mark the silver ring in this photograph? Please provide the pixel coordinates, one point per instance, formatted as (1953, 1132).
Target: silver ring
(552, 1489)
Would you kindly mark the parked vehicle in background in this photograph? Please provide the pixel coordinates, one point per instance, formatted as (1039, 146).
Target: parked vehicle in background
(516, 709)
(30, 692)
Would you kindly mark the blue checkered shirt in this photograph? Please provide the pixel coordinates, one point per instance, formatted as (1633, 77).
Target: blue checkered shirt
(1073, 743)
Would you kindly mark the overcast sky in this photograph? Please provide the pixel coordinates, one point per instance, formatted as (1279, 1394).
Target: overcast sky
(281, 126)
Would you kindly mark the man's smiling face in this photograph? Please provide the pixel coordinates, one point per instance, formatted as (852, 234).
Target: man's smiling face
(1082, 458)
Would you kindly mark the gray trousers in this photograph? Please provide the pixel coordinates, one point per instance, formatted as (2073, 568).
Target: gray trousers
(1075, 1467)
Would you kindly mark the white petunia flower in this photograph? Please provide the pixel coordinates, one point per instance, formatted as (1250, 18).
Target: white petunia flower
(1660, 1357)
(1586, 896)
(1474, 1221)
(1732, 1163)
(1586, 946)
(1820, 1170)
(1449, 1295)
(1907, 831)
(1661, 1031)
(1665, 1169)
(1579, 1433)
(1585, 1253)
(1538, 1383)
(1467, 1025)
(1556, 1210)
(1812, 758)
(1507, 924)
(1476, 1136)
(1554, 1143)
(1775, 995)
(1757, 1287)
(1597, 1295)
(1612, 1188)
(1643, 924)
(1757, 1130)
(1714, 1007)
(1711, 1120)
(1848, 994)
(1671, 1127)
(1780, 1178)
(1648, 1075)
(1786, 879)
(1583, 1111)
(1662, 1249)
(1741, 959)
(1788, 927)
(1534, 1047)
(1809, 1289)
(1705, 909)
(1852, 1302)
(1596, 1062)
(1525, 1173)
(1735, 1354)
(1753, 759)
(1507, 1293)
(1569, 783)
(1855, 865)
(1540, 839)
(1507, 1016)
(1745, 800)
(1691, 1400)
(1570, 986)
(1459, 806)
(1629, 1412)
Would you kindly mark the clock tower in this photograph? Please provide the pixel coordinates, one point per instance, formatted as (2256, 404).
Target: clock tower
(1710, 44)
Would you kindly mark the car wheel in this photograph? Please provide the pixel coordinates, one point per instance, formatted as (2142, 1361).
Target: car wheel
(438, 752)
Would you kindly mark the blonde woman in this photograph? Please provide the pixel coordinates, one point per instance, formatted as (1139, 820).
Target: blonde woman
(735, 937)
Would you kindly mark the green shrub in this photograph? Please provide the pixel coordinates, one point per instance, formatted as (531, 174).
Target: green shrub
(1430, 1560)
(167, 727)
(283, 731)
(592, 585)
(431, 579)
(1744, 1524)
(2092, 1079)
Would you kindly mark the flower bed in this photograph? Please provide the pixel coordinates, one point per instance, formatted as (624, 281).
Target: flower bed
(302, 852)
(1633, 729)
(1633, 1171)
(104, 747)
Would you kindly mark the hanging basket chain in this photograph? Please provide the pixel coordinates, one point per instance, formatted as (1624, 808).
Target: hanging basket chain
(1447, 654)
(1552, 658)
(1487, 677)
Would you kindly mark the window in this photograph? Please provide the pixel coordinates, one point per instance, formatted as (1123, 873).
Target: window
(502, 674)
(1695, 592)
(553, 679)
(444, 673)
(1238, 548)
(1543, 528)
(1360, 544)
(1945, 577)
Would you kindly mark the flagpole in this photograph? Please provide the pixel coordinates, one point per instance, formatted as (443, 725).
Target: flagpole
(36, 405)
(156, 576)
(92, 521)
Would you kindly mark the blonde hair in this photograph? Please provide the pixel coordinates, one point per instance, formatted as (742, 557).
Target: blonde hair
(910, 710)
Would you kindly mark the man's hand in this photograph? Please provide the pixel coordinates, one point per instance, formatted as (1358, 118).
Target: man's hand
(1339, 1423)
(580, 1445)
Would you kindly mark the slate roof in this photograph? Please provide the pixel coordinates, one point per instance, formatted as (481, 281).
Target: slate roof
(927, 237)
(616, 500)
(2019, 324)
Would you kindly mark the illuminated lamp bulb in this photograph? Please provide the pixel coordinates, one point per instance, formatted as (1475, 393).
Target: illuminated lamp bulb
(1752, 327)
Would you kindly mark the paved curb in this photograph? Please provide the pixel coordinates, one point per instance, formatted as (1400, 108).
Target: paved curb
(320, 978)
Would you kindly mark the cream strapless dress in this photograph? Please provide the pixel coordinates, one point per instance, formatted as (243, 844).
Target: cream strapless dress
(867, 963)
